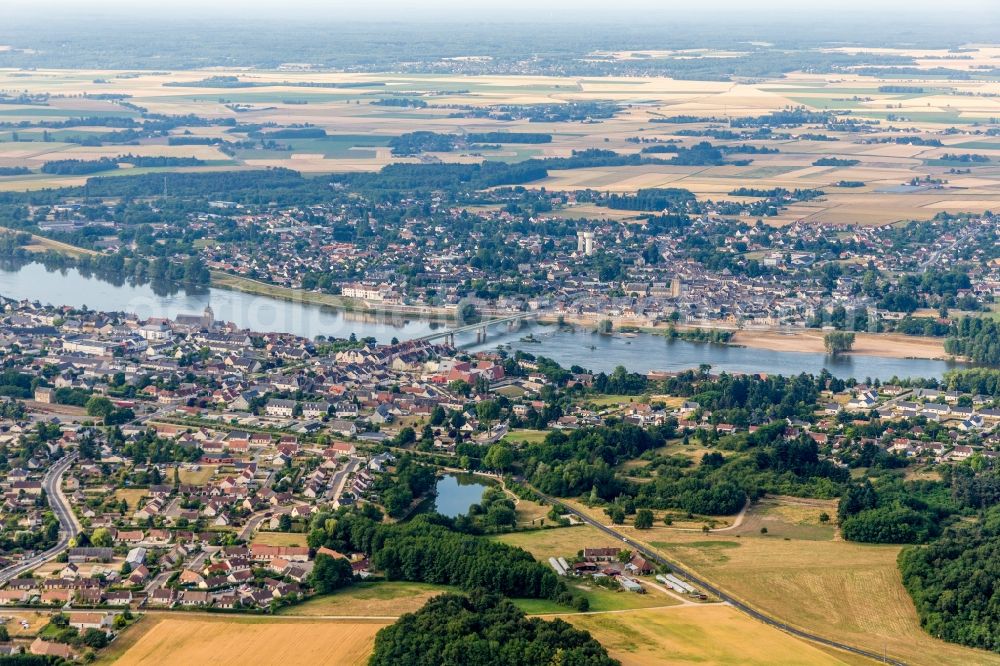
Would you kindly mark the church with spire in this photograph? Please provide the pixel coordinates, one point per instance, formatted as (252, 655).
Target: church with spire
(205, 321)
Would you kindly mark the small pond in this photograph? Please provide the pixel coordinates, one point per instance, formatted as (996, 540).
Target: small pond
(457, 492)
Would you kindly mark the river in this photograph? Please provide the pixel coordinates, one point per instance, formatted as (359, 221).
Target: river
(641, 353)
(259, 313)
(645, 352)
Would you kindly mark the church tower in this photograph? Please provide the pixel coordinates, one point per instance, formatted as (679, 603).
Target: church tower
(208, 317)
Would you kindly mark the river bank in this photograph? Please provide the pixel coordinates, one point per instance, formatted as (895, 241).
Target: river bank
(886, 345)
(246, 285)
(579, 345)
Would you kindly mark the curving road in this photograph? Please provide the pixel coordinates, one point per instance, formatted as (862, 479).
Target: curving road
(69, 526)
(708, 587)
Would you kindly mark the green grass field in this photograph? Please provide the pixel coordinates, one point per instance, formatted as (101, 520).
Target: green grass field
(390, 599)
(339, 146)
(529, 436)
(600, 599)
(557, 542)
(380, 599)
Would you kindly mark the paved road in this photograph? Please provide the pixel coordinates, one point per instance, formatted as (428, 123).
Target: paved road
(160, 579)
(963, 236)
(708, 587)
(69, 526)
(339, 480)
(248, 529)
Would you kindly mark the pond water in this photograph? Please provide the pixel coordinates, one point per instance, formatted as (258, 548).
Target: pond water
(456, 493)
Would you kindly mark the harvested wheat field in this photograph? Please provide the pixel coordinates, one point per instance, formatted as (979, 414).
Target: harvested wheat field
(841, 590)
(181, 642)
(712, 634)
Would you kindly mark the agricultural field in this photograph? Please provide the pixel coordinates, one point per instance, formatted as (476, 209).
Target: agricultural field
(846, 591)
(42, 244)
(709, 634)
(200, 640)
(799, 570)
(681, 520)
(936, 120)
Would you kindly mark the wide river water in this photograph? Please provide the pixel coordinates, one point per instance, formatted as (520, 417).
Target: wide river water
(640, 353)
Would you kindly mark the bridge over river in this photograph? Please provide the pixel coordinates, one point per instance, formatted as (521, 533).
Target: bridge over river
(512, 321)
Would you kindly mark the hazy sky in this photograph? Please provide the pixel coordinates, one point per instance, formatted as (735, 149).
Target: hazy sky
(570, 10)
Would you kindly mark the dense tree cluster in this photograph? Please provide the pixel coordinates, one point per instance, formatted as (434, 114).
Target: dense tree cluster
(422, 141)
(896, 511)
(572, 464)
(149, 448)
(777, 193)
(836, 162)
(410, 481)
(404, 102)
(427, 550)
(79, 167)
(486, 630)
(296, 133)
(144, 161)
(785, 118)
(965, 158)
(330, 573)
(838, 342)
(983, 381)
(713, 335)
(495, 512)
(582, 463)
(978, 339)
(955, 582)
(14, 384)
(654, 199)
(508, 137)
(749, 399)
(700, 154)
(621, 382)
(549, 113)
(32, 540)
